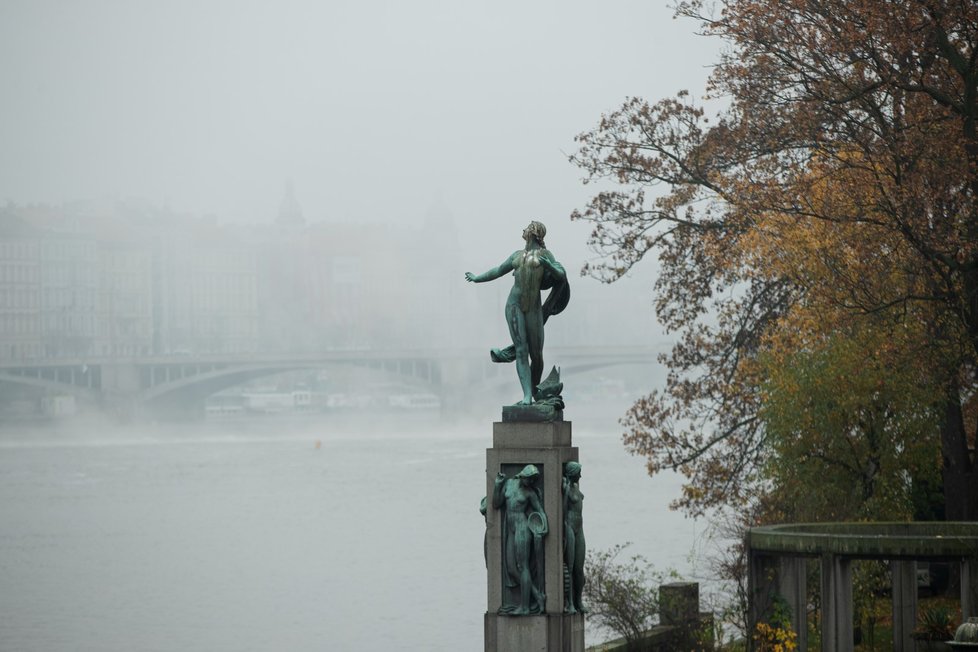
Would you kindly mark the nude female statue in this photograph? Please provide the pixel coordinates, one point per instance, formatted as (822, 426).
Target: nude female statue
(534, 269)
(574, 547)
(524, 527)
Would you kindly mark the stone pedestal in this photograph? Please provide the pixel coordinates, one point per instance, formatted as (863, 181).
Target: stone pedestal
(547, 633)
(548, 447)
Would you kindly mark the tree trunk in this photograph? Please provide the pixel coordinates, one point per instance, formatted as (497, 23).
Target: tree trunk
(958, 469)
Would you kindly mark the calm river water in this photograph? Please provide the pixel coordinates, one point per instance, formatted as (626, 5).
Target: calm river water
(233, 537)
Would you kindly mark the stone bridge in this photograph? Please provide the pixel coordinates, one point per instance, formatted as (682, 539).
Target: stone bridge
(130, 385)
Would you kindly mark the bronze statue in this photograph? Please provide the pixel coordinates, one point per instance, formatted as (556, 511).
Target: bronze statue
(574, 548)
(524, 527)
(534, 269)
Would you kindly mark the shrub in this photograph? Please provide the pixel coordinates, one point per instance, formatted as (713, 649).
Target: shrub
(771, 638)
(622, 596)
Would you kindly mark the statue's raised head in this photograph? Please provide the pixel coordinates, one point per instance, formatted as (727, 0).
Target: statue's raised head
(529, 472)
(535, 230)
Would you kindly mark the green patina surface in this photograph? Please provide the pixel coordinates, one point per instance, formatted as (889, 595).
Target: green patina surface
(932, 540)
(534, 269)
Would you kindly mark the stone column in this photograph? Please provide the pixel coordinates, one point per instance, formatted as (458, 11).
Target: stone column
(771, 577)
(761, 579)
(836, 604)
(679, 603)
(969, 588)
(120, 386)
(793, 587)
(904, 575)
(679, 607)
(547, 446)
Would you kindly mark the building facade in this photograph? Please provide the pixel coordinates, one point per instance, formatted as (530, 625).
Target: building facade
(114, 281)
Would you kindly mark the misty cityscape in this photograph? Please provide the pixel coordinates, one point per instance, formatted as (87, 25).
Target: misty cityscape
(300, 353)
(195, 180)
(320, 320)
(94, 281)
(237, 347)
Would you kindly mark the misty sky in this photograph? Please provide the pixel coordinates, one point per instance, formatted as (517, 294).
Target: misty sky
(372, 108)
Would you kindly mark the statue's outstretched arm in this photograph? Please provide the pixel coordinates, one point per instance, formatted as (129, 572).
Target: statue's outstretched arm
(504, 268)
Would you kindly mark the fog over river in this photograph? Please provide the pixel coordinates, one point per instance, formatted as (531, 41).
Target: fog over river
(250, 536)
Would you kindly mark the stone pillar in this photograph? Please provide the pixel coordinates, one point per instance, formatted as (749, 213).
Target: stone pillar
(547, 446)
(679, 603)
(771, 577)
(969, 588)
(761, 577)
(120, 387)
(904, 575)
(793, 587)
(836, 604)
(679, 606)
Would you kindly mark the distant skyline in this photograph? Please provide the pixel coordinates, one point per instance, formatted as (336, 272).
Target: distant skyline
(372, 109)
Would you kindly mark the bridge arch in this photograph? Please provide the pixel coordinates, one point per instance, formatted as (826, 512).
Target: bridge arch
(205, 383)
(50, 386)
(158, 380)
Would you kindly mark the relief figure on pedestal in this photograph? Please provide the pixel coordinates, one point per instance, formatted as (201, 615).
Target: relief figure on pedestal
(524, 526)
(483, 508)
(574, 548)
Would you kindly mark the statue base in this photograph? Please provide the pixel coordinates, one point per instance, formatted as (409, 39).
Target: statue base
(548, 446)
(545, 633)
(535, 413)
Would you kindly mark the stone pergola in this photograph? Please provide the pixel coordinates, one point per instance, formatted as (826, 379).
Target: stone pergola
(777, 566)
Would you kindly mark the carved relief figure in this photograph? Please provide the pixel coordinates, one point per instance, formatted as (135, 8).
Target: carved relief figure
(483, 508)
(574, 547)
(524, 525)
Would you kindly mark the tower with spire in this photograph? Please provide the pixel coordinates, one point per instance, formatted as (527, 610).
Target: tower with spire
(289, 212)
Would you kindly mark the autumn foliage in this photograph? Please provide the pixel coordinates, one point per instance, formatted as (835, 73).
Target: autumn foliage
(818, 246)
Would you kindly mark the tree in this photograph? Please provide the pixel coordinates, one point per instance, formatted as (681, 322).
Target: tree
(838, 185)
(848, 428)
(622, 596)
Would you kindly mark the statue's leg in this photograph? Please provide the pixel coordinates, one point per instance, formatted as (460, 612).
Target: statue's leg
(511, 573)
(570, 557)
(578, 573)
(536, 574)
(523, 563)
(516, 319)
(534, 336)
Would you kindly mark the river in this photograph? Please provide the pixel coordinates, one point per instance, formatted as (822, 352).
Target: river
(279, 534)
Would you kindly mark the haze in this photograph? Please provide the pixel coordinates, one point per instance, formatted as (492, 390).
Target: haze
(265, 527)
(372, 109)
